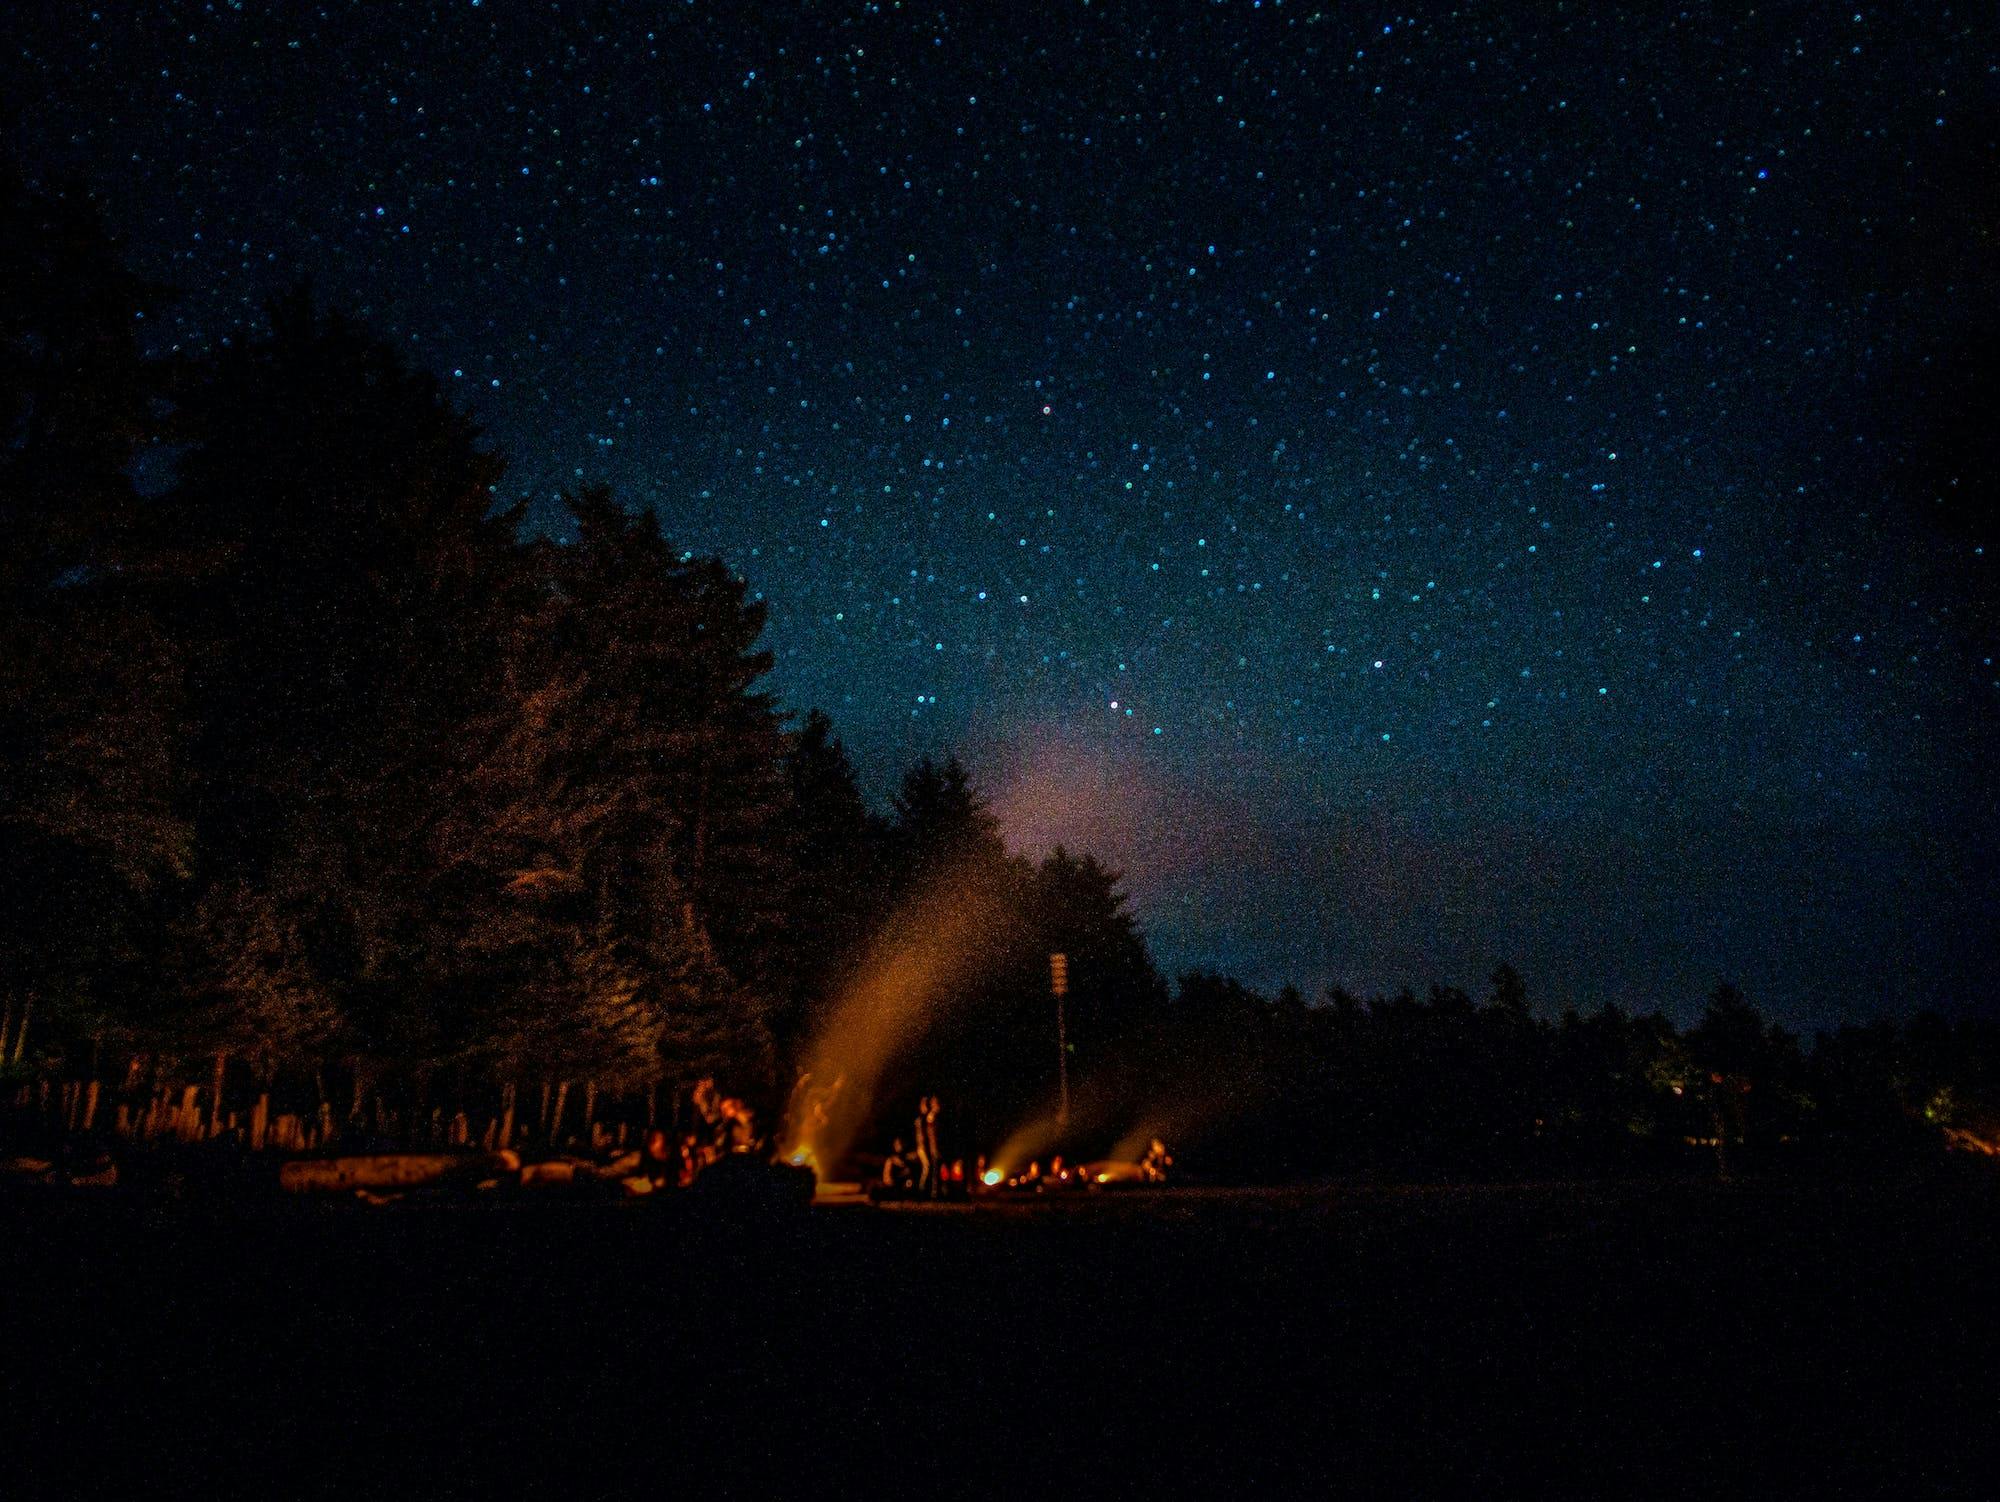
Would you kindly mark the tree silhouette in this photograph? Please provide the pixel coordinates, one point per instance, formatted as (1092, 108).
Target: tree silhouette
(942, 823)
(92, 719)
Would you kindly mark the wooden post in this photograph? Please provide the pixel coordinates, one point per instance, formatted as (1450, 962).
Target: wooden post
(21, 1037)
(545, 1109)
(260, 1121)
(507, 1116)
(90, 1106)
(215, 1096)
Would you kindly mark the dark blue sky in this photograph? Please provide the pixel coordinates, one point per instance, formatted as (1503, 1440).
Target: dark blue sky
(1415, 489)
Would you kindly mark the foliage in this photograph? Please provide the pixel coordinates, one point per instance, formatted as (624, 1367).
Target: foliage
(310, 759)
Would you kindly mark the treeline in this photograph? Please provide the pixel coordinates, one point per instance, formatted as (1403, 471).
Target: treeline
(1450, 1085)
(326, 785)
(323, 780)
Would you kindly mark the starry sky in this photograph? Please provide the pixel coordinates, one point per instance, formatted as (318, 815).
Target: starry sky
(1411, 487)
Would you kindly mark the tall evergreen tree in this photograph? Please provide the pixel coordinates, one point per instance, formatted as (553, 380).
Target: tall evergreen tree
(942, 822)
(839, 865)
(92, 717)
(337, 570)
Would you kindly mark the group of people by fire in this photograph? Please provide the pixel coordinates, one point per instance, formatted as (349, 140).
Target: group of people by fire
(918, 1170)
(1153, 1167)
(721, 1127)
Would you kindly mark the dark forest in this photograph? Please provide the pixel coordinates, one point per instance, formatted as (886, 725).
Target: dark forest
(335, 793)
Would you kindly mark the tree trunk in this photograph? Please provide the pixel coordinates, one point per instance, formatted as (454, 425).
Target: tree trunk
(555, 1122)
(21, 1037)
(507, 1116)
(215, 1096)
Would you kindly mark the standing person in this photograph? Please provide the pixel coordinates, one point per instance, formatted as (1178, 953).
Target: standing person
(929, 1161)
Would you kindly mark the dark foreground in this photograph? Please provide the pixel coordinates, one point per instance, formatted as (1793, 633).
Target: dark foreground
(1622, 1339)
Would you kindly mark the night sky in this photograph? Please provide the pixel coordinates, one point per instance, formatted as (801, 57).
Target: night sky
(1412, 489)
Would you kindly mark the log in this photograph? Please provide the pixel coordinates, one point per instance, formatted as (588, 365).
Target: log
(379, 1172)
(554, 1173)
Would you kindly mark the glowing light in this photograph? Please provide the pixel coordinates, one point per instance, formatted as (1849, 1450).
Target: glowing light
(922, 953)
(990, 1177)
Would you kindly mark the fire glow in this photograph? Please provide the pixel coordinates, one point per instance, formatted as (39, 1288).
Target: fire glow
(1031, 1141)
(926, 950)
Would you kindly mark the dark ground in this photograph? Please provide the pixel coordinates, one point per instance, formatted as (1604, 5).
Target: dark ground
(1600, 1339)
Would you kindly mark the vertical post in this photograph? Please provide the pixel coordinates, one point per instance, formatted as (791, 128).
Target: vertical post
(1059, 986)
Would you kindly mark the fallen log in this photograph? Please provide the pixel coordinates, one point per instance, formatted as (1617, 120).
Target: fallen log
(377, 1172)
